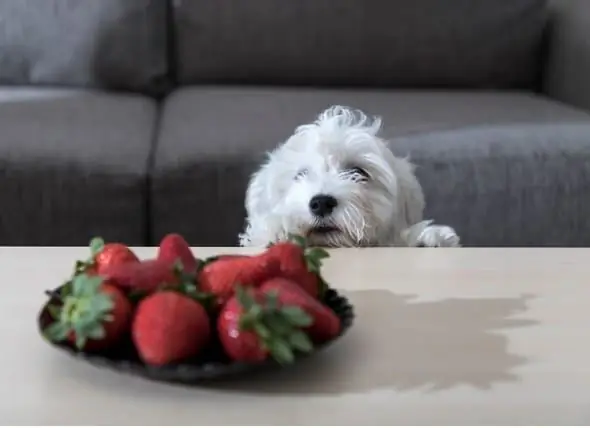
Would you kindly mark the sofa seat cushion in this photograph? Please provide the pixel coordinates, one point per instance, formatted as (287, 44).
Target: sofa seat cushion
(508, 185)
(503, 168)
(73, 164)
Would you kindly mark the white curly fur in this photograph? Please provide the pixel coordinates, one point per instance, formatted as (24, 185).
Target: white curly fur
(380, 201)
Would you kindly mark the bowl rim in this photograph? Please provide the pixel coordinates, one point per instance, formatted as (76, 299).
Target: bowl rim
(191, 373)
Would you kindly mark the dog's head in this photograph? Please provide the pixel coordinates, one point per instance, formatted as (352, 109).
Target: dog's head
(335, 182)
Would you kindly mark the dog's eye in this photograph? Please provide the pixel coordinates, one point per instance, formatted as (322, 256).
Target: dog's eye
(301, 173)
(357, 173)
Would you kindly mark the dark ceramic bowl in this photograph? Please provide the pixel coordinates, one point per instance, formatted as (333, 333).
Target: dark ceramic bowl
(211, 364)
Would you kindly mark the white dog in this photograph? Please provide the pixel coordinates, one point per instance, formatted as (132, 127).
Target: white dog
(336, 182)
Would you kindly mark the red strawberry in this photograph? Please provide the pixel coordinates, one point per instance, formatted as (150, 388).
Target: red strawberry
(325, 325)
(174, 248)
(253, 326)
(220, 276)
(169, 327)
(103, 255)
(146, 275)
(94, 315)
(300, 264)
(114, 254)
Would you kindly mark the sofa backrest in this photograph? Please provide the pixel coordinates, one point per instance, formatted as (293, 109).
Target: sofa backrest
(396, 43)
(123, 44)
(115, 44)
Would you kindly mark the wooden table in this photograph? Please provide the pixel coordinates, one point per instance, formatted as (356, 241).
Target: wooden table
(443, 336)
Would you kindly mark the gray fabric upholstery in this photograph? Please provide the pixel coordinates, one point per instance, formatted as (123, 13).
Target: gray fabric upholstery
(568, 57)
(494, 151)
(508, 185)
(401, 43)
(118, 44)
(73, 165)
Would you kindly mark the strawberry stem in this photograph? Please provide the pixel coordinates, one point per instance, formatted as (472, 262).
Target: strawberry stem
(187, 285)
(279, 329)
(96, 246)
(83, 312)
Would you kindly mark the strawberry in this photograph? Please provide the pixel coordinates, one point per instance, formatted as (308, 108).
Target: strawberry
(174, 248)
(169, 327)
(93, 316)
(300, 264)
(103, 255)
(325, 325)
(146, 275)
(253, 326)
(220, 276)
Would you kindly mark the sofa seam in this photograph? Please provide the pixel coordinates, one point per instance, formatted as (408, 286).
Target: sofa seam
(150, 166)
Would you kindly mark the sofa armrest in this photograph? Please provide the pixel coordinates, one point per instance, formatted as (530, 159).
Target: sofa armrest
(567, 70)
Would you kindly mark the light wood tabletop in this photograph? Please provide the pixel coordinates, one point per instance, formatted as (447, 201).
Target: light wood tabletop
(442, 336)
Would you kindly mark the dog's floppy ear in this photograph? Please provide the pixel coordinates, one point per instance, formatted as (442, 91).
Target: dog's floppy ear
(410, 196)
(259, 229)
(258, 193)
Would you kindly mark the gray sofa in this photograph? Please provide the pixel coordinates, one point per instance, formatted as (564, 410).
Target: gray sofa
(133, 118)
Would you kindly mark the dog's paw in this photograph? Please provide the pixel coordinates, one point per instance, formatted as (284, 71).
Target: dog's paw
(438, 236)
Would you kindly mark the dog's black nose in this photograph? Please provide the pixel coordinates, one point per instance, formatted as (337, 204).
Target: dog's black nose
(322, 205)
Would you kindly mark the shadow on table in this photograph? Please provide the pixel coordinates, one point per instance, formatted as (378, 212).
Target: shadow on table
(403, 344)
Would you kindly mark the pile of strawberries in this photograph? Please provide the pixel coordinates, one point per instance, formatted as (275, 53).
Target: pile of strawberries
(171, 307)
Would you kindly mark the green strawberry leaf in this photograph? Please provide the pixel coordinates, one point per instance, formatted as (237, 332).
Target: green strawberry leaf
(84, 285)
(317, 253)
(102, 303)
(262, 331)
(278, 324)
(66, 290)
(54, 311)
(246, 322)
(244, 298)
(296, 316)
(300, 341)
(207, 300)
(80, 341)
(78, 285)
(255, 311)
(97, 332)
(297, 239)
(272, 300)
(96, 246)
(178, 268)
(314, 257)
(189, 288)
(280, 351)
(56, 332)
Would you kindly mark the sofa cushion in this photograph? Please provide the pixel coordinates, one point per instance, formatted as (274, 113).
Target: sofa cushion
(73, 164)
(118, 44)
(401, 43)
(489, 163)
(508, 184)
